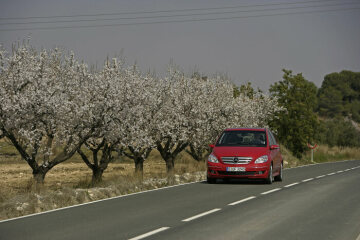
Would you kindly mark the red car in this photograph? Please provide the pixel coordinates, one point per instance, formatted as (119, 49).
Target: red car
(245, 153)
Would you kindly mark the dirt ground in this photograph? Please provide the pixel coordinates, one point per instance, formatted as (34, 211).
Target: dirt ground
(16, 175)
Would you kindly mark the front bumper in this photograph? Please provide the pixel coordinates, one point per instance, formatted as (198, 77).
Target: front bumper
(218, 170)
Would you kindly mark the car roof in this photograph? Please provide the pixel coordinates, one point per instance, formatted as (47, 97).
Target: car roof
(245, 129)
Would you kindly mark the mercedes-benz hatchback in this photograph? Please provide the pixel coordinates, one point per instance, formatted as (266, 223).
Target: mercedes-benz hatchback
(245, 153)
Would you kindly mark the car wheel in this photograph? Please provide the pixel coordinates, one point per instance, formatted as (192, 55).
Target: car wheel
(279, 177)
(269, 179)
(210, 180)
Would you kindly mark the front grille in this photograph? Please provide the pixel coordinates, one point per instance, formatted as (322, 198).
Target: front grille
(249, 173)
(236, 160)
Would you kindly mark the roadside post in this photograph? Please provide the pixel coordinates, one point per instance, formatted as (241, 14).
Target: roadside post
(312, 147)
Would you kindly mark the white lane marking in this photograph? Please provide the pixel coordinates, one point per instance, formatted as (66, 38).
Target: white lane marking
(347, 170)
(201, 215)
(241, 201)
(340, 171)
(290, 185)
(150, 233)
(329, 174)
(321, 176)
(96, 201)
(307, 180)
(271, 191)
(358, 238)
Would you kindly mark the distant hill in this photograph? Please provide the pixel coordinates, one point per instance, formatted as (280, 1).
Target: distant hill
(339, 95)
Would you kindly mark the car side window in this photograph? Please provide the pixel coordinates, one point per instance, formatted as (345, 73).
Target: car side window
(270, 139)
(273, 138)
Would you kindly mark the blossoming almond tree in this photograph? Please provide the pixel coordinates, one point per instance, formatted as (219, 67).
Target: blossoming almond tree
(105, 93)
(141, 125)
(172, 131)
(39, 108)
(122, 102)
(253, 111)
(211, 113)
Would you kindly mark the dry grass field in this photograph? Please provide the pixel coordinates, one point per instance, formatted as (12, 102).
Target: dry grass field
(16, 177)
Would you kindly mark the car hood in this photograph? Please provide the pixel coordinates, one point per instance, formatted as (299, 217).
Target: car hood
(253, 152)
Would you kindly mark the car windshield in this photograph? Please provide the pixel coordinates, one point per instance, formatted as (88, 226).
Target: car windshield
(243, 139)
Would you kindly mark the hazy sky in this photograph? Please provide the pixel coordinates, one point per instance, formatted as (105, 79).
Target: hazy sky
(251, 49)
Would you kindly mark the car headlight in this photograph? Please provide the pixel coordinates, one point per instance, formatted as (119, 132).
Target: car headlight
(212, 158)
(262, 159)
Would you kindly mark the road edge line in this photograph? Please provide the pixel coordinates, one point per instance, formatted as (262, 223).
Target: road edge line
(97, 201)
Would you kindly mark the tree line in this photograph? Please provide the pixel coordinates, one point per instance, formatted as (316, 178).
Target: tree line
(50, 100)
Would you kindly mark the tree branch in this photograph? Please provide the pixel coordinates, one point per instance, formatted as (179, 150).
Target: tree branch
(85, 159)
(36, 147)
(179, 147)
(32, 163)
(147, 152)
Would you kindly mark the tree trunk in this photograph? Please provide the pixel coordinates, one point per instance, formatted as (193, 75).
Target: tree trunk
(97, 167)
(39, 174)
(139, 156)
(97, 175)
(139, 166)
(169, 152)
(170, 166)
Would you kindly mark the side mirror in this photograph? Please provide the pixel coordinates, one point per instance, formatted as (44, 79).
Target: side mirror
(211, 145)
(272, 147)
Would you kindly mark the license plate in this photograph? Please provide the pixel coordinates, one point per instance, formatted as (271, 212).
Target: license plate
(235, 169)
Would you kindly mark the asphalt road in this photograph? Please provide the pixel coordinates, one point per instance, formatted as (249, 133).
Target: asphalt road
(313, 202)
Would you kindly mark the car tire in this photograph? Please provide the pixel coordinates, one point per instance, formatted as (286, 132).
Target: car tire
(210, 180)
(269, 179)
(279, 177)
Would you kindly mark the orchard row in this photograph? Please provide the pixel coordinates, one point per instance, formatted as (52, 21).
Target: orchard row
(50, 100)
